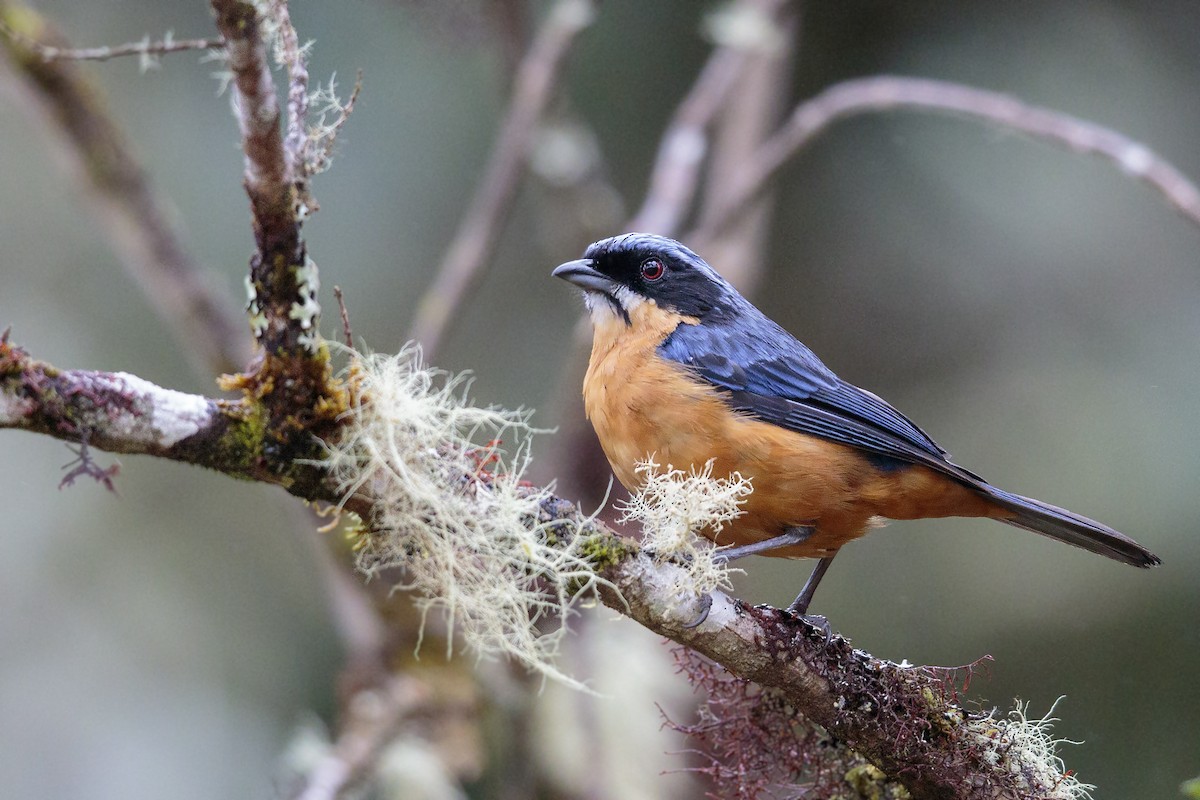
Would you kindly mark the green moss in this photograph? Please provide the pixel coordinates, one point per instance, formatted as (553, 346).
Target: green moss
(605, 550)
(242, 442)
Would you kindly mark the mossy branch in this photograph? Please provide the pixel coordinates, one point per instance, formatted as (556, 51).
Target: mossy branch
(122, 413)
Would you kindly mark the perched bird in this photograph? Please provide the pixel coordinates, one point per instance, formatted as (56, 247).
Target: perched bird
(685, 369)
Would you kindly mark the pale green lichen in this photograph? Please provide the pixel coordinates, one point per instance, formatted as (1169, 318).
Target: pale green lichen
(307, 311)
(452, 513)
(673, 507)
(1024, 748)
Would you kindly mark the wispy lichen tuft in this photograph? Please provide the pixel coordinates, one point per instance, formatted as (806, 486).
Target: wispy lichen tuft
(1025, 748)
(673, 506)
(332, 113)
(452, 513)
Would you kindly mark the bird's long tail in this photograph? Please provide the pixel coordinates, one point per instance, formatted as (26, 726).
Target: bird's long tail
(1066, 526)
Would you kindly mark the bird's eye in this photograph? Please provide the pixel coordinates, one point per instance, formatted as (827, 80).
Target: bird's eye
(653, 269)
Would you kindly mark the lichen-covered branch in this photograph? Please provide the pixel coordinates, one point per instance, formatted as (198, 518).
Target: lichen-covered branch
(903, 720)
(122, 413)
(268, 176)
(137, 220)
(537, 76)
(888, 93)
(400, 482)
(292, 379)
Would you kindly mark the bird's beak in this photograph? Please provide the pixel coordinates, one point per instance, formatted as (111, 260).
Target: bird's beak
(585, 276)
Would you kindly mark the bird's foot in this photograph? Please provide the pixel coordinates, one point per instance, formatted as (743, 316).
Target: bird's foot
(705, 606)
(817, 621)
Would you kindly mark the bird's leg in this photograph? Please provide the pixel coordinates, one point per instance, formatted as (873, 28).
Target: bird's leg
(789, 537)
(799, 606)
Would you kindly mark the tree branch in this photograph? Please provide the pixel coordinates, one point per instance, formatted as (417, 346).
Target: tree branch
(270, 183)
(751, 114)
(886, 93)
(891, 715)
(292, 380)
(536, 80)
(122, 413)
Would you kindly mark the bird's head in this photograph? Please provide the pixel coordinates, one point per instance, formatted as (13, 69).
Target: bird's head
(619, 274)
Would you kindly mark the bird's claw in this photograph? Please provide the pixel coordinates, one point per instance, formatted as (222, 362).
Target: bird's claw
(705, 606)
(817, 621)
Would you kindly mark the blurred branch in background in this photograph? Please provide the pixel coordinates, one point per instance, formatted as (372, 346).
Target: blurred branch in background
(889, 93)
(475, 239)
(373, 719)
(741, 31)
(140, 223)
(751, 114)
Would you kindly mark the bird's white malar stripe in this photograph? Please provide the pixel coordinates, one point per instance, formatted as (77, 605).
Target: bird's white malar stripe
(601, 307)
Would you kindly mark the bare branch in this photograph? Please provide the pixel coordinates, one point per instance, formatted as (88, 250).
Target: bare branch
(347, 333)
(476, 236)
(684, 146)
(138, 221)
(147, 51)
(887, 93)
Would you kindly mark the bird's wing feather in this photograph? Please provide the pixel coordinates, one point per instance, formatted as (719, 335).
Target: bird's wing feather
(774, 377)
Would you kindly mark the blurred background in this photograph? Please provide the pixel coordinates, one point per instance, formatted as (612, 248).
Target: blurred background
(1037, 312)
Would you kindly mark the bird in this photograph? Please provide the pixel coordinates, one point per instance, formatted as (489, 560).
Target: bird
(684, 370)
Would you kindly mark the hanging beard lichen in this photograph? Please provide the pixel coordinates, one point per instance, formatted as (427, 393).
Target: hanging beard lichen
(451, 513)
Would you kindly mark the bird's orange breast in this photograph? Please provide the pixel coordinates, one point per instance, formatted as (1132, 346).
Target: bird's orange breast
(641, 404)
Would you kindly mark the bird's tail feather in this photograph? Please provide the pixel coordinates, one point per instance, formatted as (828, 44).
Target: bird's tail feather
(1066, 526)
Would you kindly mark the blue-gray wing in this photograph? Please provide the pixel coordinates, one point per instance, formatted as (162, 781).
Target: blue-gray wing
(771, 375)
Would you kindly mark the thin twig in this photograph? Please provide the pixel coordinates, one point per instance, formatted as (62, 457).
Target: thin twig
(145, 49)
(886, 93)
(684, 145)
(139, 222)
(462, 266)
(318, 149)
(341, 301)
